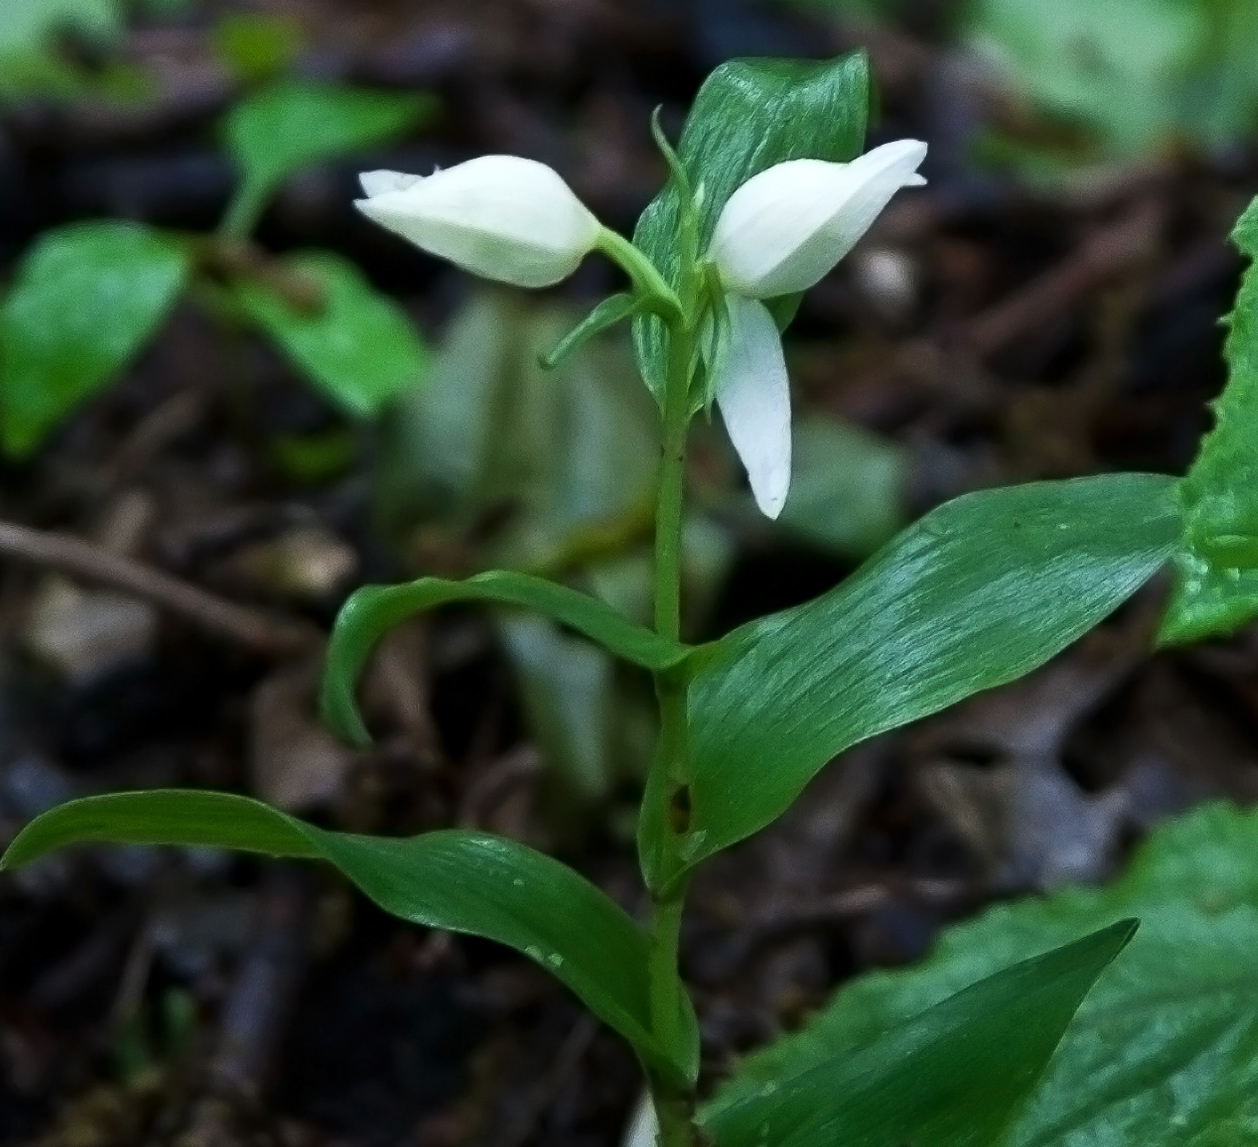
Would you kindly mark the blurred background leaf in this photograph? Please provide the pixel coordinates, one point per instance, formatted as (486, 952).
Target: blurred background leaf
(87, 298)
(352, 342)
(292, 124)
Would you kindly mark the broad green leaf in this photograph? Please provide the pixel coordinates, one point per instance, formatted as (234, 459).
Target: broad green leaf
(955, 1075)
(977, 593)
(87, 298)
(1216, 582)
(1164, 1051)
(373, 610)
(352, 342)
(748, 116)
(848, 487)
(455, 879)
(293, 124)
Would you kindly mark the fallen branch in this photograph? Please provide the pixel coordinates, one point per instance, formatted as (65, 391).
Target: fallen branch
(260, 632)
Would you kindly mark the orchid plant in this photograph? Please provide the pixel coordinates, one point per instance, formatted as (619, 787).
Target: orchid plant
(768, 190)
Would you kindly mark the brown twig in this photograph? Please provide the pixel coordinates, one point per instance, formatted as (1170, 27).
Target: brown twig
(1105, 254)
(261, 632)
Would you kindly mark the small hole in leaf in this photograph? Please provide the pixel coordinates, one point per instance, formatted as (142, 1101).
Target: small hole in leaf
(679, 810)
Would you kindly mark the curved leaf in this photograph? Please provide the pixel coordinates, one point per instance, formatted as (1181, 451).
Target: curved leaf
(748, 116)
(373, 610)
(455, 879)
(975, 594)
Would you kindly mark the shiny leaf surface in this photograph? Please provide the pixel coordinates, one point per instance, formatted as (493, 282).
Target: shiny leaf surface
(748, 116)
(455, 879)
(975, 594)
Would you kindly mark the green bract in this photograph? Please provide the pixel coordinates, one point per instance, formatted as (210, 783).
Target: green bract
(981, 1047)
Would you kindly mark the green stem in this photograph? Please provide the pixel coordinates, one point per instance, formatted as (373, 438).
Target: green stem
(666, 799)
(644, 275)
(240, 219)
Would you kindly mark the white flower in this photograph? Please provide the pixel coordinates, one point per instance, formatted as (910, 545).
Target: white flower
(500, 216)
(785, 228)
(778, 234)
(754, 396)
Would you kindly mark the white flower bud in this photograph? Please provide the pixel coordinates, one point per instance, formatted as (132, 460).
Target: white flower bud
(500, 216)
(785, 228)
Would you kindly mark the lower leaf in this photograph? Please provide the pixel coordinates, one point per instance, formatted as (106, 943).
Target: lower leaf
(956, 1075)
(455, 879)
(1162, 1053)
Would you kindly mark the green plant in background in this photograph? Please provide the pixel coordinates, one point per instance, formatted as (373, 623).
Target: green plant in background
(1126, 79)
(1134, 75)
(89, 296)
(981, 1045)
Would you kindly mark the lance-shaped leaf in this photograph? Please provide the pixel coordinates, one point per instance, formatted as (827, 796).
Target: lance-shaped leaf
(748, 116)
(956, 1075)
(373, 610)
(454, 879)
(86, 300)
(1216, 569)
(975, 594)
(353, 342)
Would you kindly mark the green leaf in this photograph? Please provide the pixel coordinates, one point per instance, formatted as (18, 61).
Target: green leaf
(373, 610)
(457, 880)
(293, 124)
(957, 1074)
(1216, 569)
(748, 116)
(256, 46)
(612, 310)
(351, 341)
(1164, 1051)
(87, 298)
(977, 593)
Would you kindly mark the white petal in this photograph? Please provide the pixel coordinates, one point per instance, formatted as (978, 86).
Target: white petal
(381, 182)
(754, 397)
(785, 228)
(500, 216)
